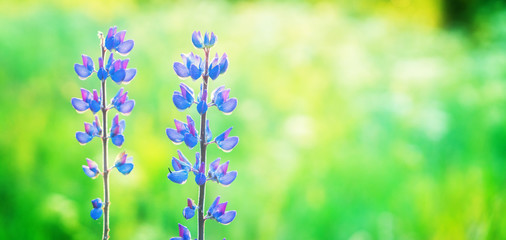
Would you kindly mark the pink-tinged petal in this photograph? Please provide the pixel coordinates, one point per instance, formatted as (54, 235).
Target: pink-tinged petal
(124, 63)
(100, 62)
(176, 164)
(214, 165)
(95, 95)
(120, 35)
(91, 163)
(190, 203)
(222, 169)
(220, 209)
(79, 105)
(184, 232)
(111, 31)
(223, 136)
(191, 125)
(85, 94)
(88, 128)
(224, 94)
(213, 205)
(180, 126)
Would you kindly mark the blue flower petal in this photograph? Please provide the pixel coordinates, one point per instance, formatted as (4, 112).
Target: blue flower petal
(190, 140)
(223, 63)
(188, 213)
(181, 70)
(82, 71)
(228, 144)
(174, 135)
(202, 107)
(184, 232)
(83, 138)
(228, 106)
(102, 74)
(214, 72)
(200, 178)
(125, 47)
(125, 168)
(180, 102)
(195, 72)
(228, 178)
(96, 213)
(197, 39)
(118, 140)
(118, 76)
(178, 176)
(129, 75)
(94, 106)
(79, 105)
(126, 107)
(227, 217)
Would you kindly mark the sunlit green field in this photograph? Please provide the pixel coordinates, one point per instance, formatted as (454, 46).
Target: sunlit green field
(364, 120)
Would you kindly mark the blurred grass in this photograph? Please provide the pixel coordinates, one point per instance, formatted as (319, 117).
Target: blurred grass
(364, 120)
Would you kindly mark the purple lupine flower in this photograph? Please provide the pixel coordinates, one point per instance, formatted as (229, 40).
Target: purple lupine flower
(225, 142)
(117, 129)
(189, 211)
(219, 174)
(199, 170)
(192, 66)
(88, 101)
(91, 169)
(96, 212)
(184, 99)
(214, 68)
(202, 101)
(217, 211)
(90, 131)
(86, 69)
(124, 164)
(115, 41)
(184, 132)
(184, 234)
(119, 72)
(207, 42)
(101, 73)
(121, 102)
(181, 168)
(222, 101)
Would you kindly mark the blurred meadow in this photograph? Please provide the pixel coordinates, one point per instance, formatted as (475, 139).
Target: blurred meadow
(358, 119)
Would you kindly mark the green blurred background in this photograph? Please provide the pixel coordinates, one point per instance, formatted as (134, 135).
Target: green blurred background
(358, 119)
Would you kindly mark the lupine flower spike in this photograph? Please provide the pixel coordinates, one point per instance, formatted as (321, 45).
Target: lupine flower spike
(193, 66)
(96, 102)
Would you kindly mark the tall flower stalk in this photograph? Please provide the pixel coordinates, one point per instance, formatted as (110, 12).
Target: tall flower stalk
(119, 73)
(195, 67)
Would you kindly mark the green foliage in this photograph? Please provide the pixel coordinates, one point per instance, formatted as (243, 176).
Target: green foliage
(379, 128)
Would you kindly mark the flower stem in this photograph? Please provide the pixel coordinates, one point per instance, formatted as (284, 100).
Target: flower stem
(203, 151)
(105, 235)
